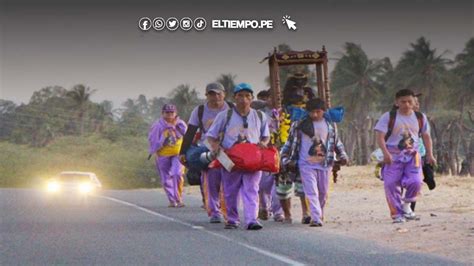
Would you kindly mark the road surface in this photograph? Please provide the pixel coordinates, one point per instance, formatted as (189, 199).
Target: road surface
(135, 227)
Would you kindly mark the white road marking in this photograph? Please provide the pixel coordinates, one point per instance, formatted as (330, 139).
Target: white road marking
(270, 254)
(198, 227)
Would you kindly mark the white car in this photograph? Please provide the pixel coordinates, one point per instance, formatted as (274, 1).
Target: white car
(80, 183)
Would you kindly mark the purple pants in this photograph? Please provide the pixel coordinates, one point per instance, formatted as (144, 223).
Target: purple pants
(171, 170)
(247, 183)
(267, 194)
(400, 175)
(315, 186)
(213, 187)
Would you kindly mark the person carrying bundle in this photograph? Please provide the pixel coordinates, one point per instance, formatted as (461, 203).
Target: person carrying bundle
(244, 125)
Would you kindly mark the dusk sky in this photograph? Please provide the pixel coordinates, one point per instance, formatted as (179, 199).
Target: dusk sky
(100, 45)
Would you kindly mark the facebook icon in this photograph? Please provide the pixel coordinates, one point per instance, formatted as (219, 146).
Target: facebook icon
(144, 24)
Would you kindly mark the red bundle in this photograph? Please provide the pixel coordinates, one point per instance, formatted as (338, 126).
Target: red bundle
(270, 160)
(251, 158)
(215, 164)
(246, 157)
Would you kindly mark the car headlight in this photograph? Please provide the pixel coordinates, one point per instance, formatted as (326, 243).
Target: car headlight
(53, 186)
(85, 188)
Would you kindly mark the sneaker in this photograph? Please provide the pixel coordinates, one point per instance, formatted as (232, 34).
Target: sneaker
(180, 205)
(315, 224)
(399, 220)
(406, 206)
(254, 226)
(306, 220)
(172, 205)
(231, 226)
(263, 214)
(279, 218)
(411, 216)
(215, 220)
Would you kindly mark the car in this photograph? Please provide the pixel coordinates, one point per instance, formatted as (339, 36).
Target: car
(74, 183)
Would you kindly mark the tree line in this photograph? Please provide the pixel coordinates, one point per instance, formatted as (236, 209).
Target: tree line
(364, 86)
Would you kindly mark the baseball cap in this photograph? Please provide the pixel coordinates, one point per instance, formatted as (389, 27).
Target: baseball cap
(215, 87)
(243, 87)
(169, 108)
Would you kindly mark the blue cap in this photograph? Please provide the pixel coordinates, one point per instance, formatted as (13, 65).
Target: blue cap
(243, 87)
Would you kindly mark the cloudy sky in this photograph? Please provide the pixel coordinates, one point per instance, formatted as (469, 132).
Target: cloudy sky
(98, 43)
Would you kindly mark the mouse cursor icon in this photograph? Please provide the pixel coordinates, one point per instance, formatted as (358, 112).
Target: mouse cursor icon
(289, 23)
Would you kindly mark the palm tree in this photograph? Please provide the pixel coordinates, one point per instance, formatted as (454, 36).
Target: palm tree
(185, 99)
(464, 69)
(423, 70)
(228, 81)
(143, 105)
(356, 84)
(43, 95)
(102, 115)
(131, 121)
(80, 95)
(130, 109)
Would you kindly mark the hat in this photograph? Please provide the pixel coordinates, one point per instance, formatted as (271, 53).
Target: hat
(215, 87)
(243, 87)
(299, 79)
(169, 108)
(300, 75)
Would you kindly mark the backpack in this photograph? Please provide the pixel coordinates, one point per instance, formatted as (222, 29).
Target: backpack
(391, 122)
(229, 116)
(306, 127)
(201, 114)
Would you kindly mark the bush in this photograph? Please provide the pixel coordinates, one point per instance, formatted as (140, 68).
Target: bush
(120, 164)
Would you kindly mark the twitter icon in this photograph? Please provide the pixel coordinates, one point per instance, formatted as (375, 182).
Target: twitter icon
(172, 23)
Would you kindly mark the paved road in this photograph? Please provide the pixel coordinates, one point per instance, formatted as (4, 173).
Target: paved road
(136, 227)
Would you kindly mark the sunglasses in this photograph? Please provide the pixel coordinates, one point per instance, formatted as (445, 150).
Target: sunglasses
(169, 112)
(244, 120)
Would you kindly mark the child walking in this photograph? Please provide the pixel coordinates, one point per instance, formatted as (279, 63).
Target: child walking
(315, 152)
(165, 138)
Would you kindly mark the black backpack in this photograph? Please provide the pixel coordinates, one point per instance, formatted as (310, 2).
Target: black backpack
(193, 177)
(201, 114)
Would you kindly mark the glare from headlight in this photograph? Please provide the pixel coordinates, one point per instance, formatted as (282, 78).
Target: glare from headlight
(53, 187)
(85, 188)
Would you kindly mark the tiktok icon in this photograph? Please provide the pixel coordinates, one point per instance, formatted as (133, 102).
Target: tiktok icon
(199, 24)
